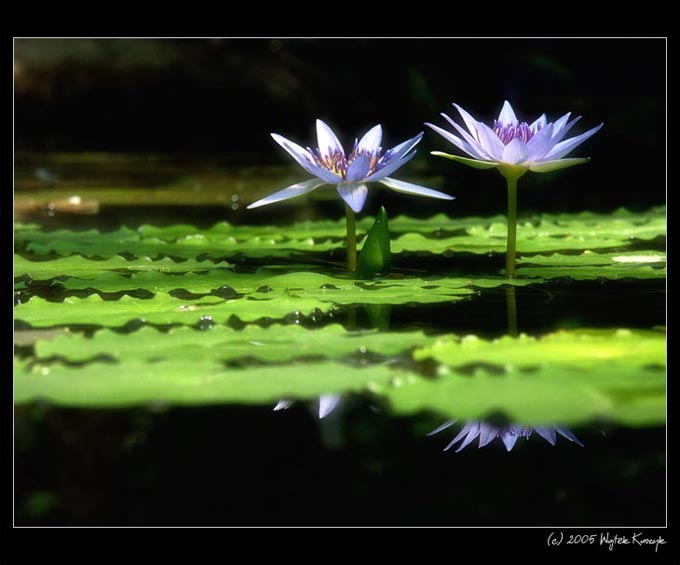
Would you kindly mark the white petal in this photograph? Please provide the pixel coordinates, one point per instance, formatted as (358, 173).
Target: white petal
(327, 403)
(392, 166)
(470, 122)
(515, 152)
(490, 141)
(473, 147)
(290, 192)
(562, 126)
(507, 115)
(371, 140)
(398, 151)
(328, 142)
(462, 145)
(353, 194)
(540, 143)
(564, 147)
(358, 169)
(410, 188)
(541, 121)
(469, 428)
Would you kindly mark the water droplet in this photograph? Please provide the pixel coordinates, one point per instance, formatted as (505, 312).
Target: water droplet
(265, 288)
(49, 209)
(329, 287)
(225, 292)
(205, 323)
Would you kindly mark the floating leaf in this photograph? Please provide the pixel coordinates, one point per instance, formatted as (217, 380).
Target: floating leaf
(581, 348)
(552, 394)
(186, 382)
(222, 343)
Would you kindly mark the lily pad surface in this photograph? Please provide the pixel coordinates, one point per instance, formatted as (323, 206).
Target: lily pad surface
(146, 316)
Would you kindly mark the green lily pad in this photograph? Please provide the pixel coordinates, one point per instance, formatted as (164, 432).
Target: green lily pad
(580, 349)
(552, 394)
(186, 382)
(222, 343)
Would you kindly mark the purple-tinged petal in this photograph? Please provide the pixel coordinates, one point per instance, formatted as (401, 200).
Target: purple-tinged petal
(358, 169)
(540, 143)
(354, 195)
(469, 428)
(445, 425)
(474, 163)
(283, 405)
(561, 127)
(300, 154)
(409, 188)
(470, 122)
(462, 145)
(487, 434)
(490, 142)
(507, 115)
(398, 151)
(564, 147)
(371, 140)
(327, 403)
(515, 152)
(571, 437)
(305, 159)
(328, 141)
(539, 124)
(290, 192)
(509, 439)
(473, 147)
(547, 166)
(472, 434)
(547, 433)
(391, 166)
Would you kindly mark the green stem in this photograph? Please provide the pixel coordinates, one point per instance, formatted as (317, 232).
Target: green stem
(512, 310)
(351, 240)
(512, 227)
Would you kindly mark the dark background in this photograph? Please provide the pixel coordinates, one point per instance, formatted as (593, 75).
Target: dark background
(222, 98)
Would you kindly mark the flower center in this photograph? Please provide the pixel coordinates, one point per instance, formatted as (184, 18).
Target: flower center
(337, 163)
(507, 132)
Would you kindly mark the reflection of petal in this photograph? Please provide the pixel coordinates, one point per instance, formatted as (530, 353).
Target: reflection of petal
(283, 405)
(327, 403)
(445, 425)
(508, 434)
(571, 437)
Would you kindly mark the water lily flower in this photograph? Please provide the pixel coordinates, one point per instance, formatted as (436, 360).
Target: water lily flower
(350, 173)
(508, 434)
(514, 148)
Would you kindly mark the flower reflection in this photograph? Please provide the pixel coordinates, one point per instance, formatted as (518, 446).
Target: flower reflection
(327, 403)
(508, 434)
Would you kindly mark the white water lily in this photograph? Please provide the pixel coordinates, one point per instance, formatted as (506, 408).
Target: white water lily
(514, 148)
(514, 145)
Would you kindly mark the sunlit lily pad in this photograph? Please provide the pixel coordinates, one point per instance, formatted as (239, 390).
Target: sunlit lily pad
(222, 343)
